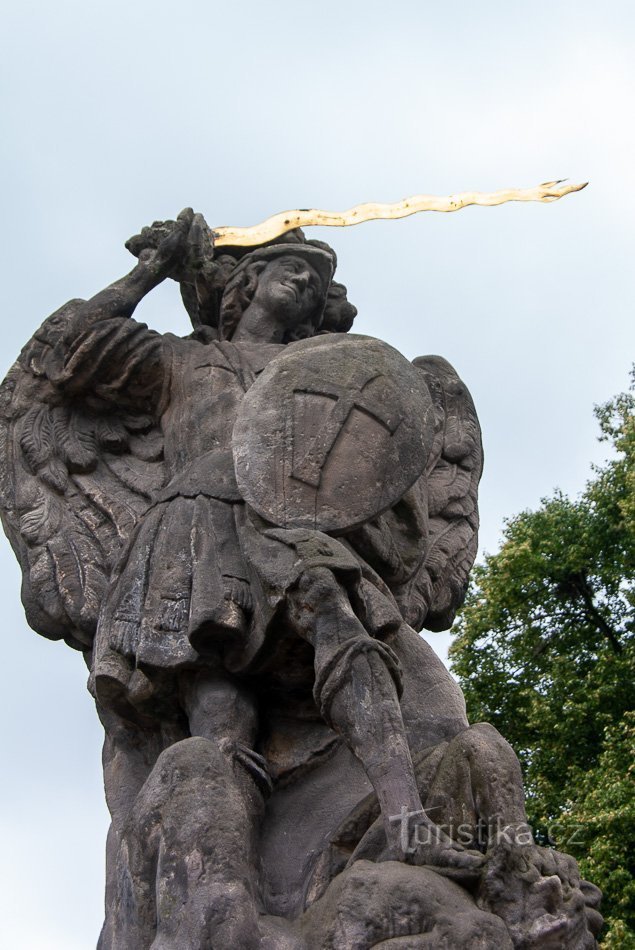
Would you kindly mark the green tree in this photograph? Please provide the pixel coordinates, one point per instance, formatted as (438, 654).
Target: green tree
(545, 650)
(598, 828)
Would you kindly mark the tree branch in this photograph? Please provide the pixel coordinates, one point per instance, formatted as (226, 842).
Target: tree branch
(580, 585)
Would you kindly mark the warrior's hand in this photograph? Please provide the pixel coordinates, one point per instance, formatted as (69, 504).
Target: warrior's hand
(178, 249)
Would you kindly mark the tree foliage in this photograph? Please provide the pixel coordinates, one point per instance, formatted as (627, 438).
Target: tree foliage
(545, 650)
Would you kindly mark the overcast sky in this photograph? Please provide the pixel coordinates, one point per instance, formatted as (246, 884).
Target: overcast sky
(116, 113)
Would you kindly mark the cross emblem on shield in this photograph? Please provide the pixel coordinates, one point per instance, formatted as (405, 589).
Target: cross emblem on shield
(333, 432)
(308, 467)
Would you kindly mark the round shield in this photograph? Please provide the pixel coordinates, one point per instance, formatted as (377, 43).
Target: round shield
(333, 432)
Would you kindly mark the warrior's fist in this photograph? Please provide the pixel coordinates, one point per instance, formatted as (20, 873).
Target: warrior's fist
(178, 249)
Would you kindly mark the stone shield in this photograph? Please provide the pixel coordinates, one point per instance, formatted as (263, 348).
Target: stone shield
(334, 431)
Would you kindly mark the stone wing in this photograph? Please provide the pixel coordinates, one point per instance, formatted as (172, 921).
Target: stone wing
(74, 480)
(454, 471)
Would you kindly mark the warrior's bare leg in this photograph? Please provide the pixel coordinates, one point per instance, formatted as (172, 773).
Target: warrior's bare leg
(219, 709)
(356, 692)
(223, 893)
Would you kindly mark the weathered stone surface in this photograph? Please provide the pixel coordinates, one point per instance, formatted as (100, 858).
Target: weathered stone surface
(243, 531)
(334, 432)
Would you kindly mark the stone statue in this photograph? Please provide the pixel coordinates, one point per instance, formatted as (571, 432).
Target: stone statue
(243, 531)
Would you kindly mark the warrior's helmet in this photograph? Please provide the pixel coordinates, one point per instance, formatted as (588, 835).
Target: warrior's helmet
(219, 297)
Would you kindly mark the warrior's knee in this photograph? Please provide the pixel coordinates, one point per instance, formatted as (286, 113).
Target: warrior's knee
(317, 582)
(318, 607)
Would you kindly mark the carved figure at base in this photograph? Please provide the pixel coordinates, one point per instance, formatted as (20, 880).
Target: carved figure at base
(243, 531)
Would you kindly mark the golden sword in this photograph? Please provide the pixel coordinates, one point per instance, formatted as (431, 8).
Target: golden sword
(285, 221)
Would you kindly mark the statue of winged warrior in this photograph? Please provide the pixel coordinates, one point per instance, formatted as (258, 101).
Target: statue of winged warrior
(243, 532)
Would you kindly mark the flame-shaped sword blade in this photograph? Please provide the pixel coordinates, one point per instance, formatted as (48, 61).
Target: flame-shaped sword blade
(285, 221)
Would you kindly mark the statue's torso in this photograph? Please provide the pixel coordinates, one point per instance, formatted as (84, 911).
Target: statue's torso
(207, 383)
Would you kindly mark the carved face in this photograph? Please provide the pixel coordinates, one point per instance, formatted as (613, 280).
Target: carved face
(290, 289)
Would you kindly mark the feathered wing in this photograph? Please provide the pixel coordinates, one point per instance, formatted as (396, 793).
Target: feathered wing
(75, 477)
(451, 486)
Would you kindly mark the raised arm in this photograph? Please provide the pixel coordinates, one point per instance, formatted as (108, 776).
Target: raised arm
(163, 251)
(91, 348)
